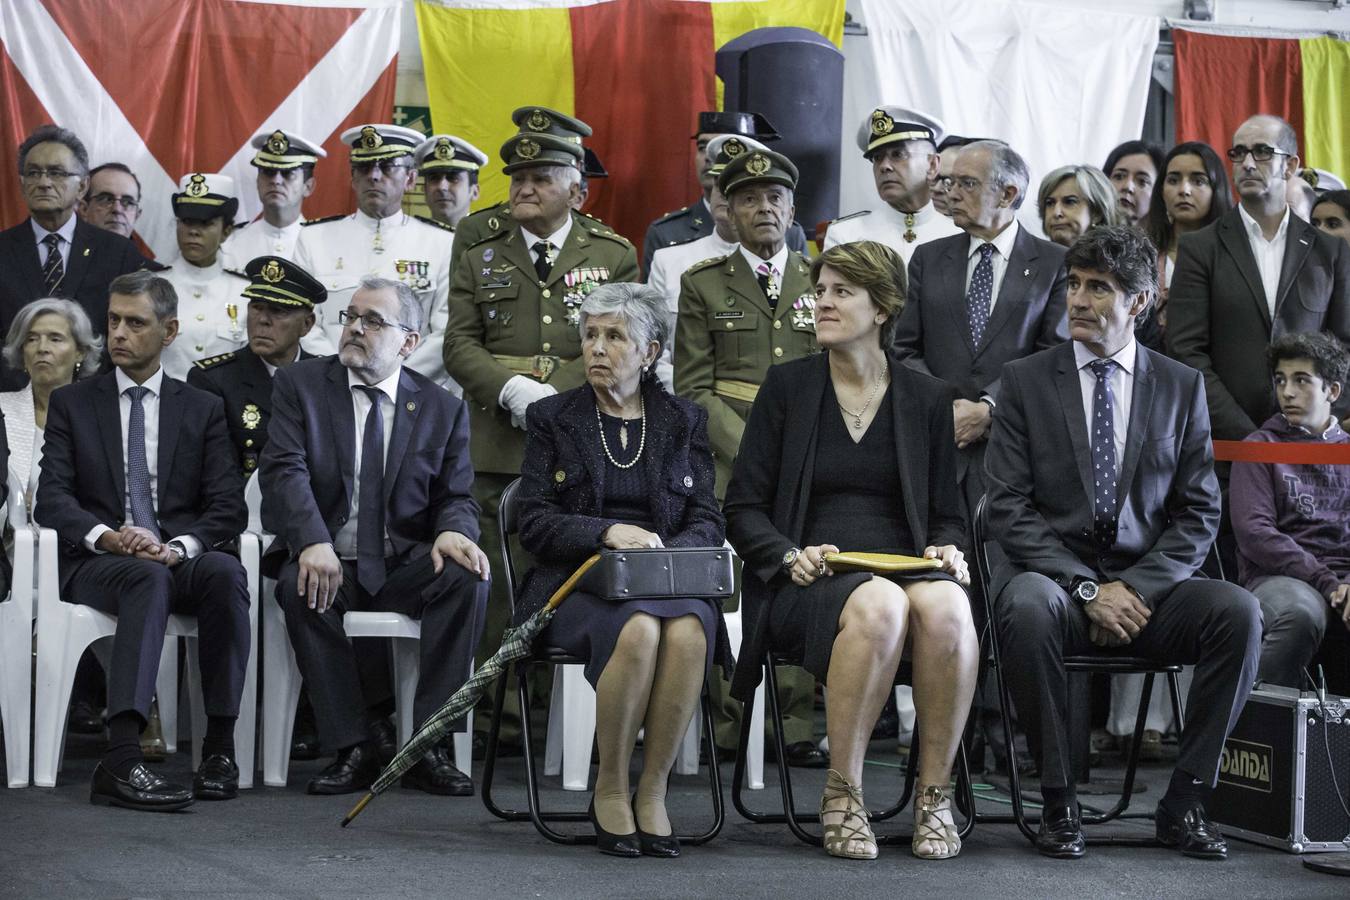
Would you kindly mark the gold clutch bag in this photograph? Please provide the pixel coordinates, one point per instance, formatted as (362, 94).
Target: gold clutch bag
(880, 562)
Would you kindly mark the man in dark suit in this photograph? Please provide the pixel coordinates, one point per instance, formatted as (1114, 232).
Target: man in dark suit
(1108, 559)
(140, 485)
(981, 299)
(54, 253)
(281, 300)
(1257, 273)
(366, 482)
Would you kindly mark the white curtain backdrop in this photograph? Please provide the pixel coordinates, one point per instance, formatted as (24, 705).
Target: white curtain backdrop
(1060, 85)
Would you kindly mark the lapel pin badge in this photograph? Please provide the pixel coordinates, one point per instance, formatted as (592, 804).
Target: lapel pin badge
(411, 406)
(86, 250)
(1026, 273)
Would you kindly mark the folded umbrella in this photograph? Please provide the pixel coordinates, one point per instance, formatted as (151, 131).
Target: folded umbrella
(516, 644)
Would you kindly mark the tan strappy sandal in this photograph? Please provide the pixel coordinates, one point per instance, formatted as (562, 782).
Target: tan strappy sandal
(934, 826)
(851, 823)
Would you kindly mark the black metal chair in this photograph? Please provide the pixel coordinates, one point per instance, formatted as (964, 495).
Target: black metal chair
(508, 525)
(1092, 663)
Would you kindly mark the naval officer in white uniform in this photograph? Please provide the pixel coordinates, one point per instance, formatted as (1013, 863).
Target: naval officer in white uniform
(901, 144)
(285, 163)
(381, 239)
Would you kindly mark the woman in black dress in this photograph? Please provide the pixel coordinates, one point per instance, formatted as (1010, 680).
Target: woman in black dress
(620, 463)
(849, 450)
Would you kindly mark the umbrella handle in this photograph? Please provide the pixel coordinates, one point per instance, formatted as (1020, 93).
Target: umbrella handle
(570, 584)
(356, 810)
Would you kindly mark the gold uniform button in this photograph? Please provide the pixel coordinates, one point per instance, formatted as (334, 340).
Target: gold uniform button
(201, 317)
(196, 293)
(560, 476)
(777, 351)
(546, 346)
(777, 324)
(688, 481)
(548, 320)
(546, 293)
(248, 443)
(492, 296)
(200, 348)
(730, 325)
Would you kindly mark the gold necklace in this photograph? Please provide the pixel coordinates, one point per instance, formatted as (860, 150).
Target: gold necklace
(642, 440)
(857, 416)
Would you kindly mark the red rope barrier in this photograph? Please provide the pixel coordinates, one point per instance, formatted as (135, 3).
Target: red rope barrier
(1312, 454)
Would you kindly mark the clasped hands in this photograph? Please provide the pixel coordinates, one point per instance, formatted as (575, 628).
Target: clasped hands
(630, 537)
(320, 573)
(970, 419)
(810, 563)
(132, 540)
(1116, 616)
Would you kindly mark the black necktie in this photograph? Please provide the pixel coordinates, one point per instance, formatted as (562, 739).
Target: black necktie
(370, 517)
(1103, 428)
(52, 269)
(543, 262)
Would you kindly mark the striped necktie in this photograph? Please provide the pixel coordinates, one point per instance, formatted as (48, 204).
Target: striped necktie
(52, 269)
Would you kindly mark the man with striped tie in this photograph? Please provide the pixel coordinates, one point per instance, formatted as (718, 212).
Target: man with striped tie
(141, 483)
(54, 253)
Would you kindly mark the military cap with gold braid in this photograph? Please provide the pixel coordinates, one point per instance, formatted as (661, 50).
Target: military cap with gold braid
(284, 150)
(757, 167)
(442, 152)
(371, 143)
(529, 149)
(542, 120)
(203, 196)
(892, 124)
(275, 280)
(726, 147)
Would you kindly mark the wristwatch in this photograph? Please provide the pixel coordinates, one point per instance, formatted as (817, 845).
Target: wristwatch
(1084, 590)
(178, 550)
(790, 557)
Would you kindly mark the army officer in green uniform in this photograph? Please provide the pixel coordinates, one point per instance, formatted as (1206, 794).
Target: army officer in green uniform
(515, 301)
(281, 299)
(740, 314)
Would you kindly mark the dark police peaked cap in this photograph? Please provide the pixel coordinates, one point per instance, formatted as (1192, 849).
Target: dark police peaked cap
(746, 124)
(276, 280)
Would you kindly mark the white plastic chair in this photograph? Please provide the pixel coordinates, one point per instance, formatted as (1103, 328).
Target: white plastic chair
(282, 676)
(66, 629)
(16, 640)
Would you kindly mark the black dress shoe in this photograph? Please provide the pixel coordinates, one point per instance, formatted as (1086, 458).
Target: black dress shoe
(1193, 834)
(385, 739)
(217, 778)
(1061, 833)
(142, 789)
(84, 718)
(354, 770)
(614, 844)
(806, 755)
(304, 747)
(436, 774)
(666, 846)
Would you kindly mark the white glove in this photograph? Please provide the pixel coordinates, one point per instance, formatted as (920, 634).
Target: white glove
(518, 393)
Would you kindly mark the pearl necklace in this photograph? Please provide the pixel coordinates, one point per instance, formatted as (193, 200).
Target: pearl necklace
(642, 441)
(857, 416)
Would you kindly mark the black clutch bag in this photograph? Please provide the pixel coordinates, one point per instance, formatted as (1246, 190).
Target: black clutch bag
(661, 573)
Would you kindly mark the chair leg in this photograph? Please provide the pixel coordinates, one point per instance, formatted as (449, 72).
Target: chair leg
(537, 817)
(490, 757)
(166, 692)
(714, 774)
(282, 679)
(1132, 760)
(406, 668)
(578, 729)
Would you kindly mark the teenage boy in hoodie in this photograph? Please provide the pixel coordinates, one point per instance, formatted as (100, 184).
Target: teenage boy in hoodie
(1293, 521)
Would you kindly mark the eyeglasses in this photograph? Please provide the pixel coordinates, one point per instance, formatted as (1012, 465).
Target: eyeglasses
(1260, 153)
(387, 167)
(966, 183)
(109, 200)
(36, 173)
(370, 321)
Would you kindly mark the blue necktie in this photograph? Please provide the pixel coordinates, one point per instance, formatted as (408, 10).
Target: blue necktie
(981, 293)
(138, 471)
(52, 269)
(370, 569)
(1103, 428)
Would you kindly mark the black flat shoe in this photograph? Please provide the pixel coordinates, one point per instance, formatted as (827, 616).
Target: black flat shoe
(1061, 833)
(436, 774)
(141, 790)
(85, 718)
(627, 845)
(667, 846)
(355, 769)
(806, 755)
(217, 778)
(1193, 834)
(385, 739)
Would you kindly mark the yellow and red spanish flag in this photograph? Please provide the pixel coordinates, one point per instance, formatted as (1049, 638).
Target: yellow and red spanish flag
(637, 71)
(1220, 81)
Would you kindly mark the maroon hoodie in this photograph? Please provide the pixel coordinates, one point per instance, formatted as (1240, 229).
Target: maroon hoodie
(1293, 520)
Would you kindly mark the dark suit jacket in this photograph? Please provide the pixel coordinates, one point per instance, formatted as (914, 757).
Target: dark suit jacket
(83, 482)
(933, 334)
(1219, 323)
(562, 485)
(308, 466)
(1168, 493)
(768, 499)
(240, 379)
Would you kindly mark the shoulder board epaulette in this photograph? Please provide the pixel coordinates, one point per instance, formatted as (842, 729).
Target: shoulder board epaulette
(671, 215)
(212, 361)
(438, 224)
(705, 264)
(155, 266)
(236, 273)
(320, 221)
(605, 231)
(861, 212)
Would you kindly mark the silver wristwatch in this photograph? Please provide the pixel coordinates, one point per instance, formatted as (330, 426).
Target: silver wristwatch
(790, 557)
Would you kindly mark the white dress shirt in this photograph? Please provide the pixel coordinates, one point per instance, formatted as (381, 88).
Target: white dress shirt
(149, 403)
(778, 262)
(67, 233)
(557, 238)
(887, 225)
(1122, 389)
(1269, 253)
(1003, 247)
(344, 543)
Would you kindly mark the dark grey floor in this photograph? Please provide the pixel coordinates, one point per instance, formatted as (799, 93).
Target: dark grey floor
(282, 843)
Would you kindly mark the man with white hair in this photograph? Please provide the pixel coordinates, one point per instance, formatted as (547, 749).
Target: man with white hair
(901, 144)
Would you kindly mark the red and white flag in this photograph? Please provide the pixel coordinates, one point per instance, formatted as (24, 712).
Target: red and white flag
(176, 86)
